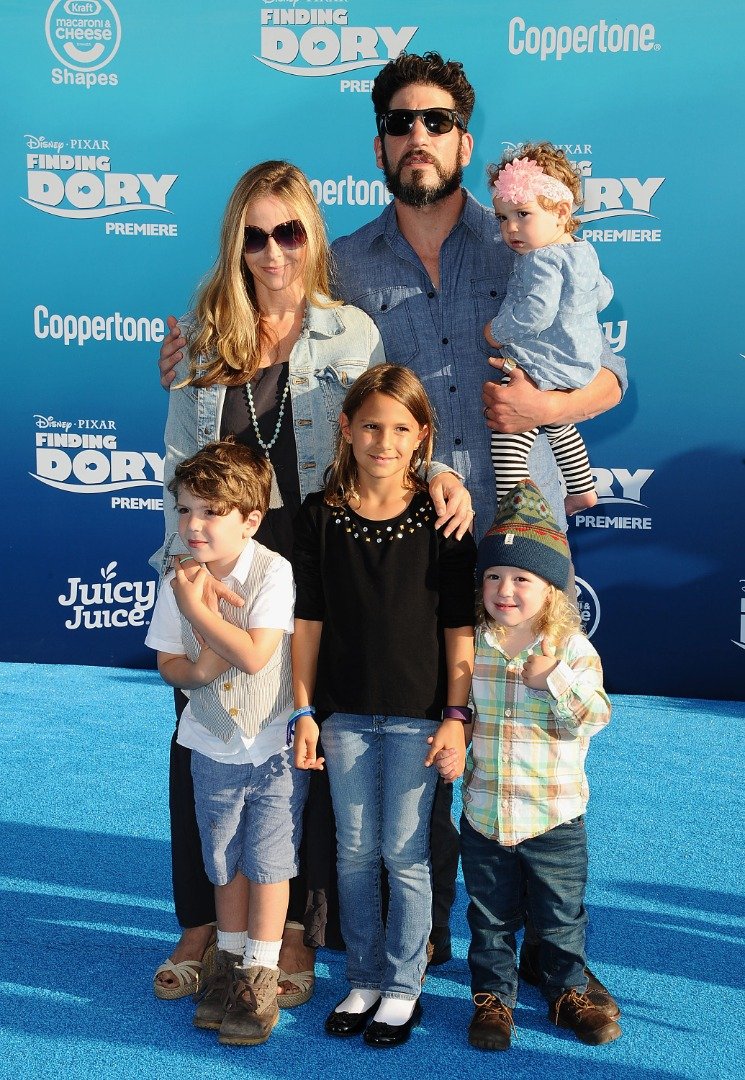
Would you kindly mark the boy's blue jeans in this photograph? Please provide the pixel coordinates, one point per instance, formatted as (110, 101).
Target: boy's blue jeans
(382, 796)
(546, 875)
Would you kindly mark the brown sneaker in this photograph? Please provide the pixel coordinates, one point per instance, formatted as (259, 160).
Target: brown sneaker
(598, 994)
(589, 1023)
(491, 1026)
(212, 996)
(252, 1010)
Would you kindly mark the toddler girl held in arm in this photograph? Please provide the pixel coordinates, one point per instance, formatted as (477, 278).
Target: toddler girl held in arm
(548, 321)
(538, 697)
(383, 648)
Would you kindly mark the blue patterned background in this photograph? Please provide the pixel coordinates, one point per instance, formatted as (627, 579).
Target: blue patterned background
(168, 103)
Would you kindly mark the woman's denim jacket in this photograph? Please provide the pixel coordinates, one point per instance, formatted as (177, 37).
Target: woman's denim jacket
(335, 346)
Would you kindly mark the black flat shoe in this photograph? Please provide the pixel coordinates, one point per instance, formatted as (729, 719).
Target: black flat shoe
(343, 1024)
(383, 1035)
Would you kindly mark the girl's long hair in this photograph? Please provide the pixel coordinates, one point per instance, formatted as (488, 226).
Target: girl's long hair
(229, 334)
(403, 386)
(557, 620)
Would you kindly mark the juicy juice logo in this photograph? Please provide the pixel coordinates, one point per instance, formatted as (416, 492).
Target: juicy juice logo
(108, 603)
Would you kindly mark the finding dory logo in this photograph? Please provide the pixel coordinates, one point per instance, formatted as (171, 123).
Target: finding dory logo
(319, 40)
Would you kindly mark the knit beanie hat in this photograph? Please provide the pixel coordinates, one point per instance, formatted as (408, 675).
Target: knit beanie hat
(525, 534)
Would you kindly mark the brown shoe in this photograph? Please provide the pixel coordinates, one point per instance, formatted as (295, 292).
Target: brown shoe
(491, 1026)
(601, 997)
(212, 996)
(252, 1010)
(598, 994)
(590, 1024)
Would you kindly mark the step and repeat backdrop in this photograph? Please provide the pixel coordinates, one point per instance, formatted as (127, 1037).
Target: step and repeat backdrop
(125, 126)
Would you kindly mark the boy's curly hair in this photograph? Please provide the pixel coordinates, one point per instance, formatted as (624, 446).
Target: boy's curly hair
(554, 162)
(228, 476)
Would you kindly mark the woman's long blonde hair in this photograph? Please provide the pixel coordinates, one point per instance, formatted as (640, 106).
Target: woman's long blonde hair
(557, 620)
(229, 335)
(401, 384)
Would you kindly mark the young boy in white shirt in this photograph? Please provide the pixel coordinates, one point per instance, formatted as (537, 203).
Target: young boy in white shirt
(235, 666)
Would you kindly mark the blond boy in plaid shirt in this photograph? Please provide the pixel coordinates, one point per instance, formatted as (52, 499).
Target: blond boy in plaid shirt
(538, 695)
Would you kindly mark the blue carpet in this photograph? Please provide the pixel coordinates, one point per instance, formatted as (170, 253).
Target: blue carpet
(86, 913)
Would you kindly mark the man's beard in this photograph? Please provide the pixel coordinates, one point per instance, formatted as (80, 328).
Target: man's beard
(415, 193)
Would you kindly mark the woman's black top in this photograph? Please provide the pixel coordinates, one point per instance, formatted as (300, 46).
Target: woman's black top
(267, 385)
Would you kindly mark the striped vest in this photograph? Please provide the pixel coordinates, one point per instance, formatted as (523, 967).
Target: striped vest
(236, 699)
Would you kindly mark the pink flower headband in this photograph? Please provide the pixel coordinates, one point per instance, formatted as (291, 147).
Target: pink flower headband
(521, 180)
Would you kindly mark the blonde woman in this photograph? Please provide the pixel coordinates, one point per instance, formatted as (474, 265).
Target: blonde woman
(267, 355)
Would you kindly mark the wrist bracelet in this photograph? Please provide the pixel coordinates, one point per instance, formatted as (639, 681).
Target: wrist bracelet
(304, 710)
(458, 712)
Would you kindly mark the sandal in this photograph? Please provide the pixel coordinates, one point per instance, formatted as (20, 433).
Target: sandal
(305, 981)
(430, 954)
(188, 974)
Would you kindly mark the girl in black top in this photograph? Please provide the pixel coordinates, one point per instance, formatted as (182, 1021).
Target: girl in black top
(383, 643)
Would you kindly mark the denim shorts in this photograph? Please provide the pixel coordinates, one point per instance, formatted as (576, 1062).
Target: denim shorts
(250, 817)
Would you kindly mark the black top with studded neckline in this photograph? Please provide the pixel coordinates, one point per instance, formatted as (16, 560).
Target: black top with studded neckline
(384, 591)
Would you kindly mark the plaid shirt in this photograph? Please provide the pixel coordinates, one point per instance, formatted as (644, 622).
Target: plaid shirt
(525, 769)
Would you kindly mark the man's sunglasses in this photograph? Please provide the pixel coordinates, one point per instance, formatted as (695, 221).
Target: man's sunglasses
(290, 236)
(436, 121)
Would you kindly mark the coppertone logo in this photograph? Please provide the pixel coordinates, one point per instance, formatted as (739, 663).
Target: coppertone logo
(108, 603)
(556, 42)
(79, 185)
(83, 457)
(349, 191)
(617, 488)
(84, 35)
(78, 329)
(588, 606)
(313, 39)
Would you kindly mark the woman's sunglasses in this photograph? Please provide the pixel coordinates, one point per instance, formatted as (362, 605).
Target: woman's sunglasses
(436, 121)
(290, 236)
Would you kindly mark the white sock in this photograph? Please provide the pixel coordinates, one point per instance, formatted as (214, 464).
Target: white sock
(232, 942)
(394, 1011)
(358, 1001)
(262, 953)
